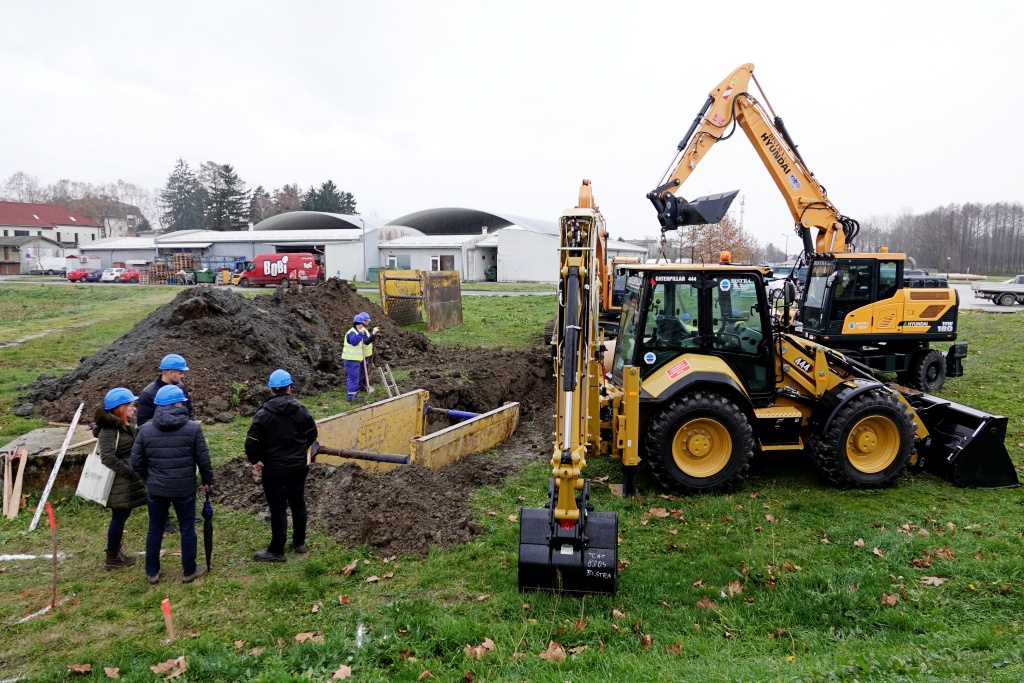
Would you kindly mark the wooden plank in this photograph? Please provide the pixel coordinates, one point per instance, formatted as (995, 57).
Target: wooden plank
(480, 433)
(386, 426)
(8, 484)
(14, 504)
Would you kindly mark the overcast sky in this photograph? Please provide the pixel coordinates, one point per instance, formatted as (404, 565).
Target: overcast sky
(896, 106)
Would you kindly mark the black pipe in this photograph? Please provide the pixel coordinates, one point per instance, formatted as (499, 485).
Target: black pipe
(361, 455)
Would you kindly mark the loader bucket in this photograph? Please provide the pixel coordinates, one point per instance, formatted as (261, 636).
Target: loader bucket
(966, 445)
(705, 210)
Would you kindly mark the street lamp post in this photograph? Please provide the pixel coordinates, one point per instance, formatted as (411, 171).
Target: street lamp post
(786, 235)
(947, 267)
(366, 273)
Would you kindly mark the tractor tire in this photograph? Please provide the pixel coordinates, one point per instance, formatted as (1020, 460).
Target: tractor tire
(927, 371)
(700, 443)
(1006, 300)
(868, 445)
(244, 282)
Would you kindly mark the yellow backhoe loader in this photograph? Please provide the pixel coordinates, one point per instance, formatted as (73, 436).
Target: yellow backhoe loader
(703, 374)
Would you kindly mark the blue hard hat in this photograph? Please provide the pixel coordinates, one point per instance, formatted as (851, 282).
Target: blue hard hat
(169, 395)
(118, 397)
(357, 318)
(279, 379)
(173, 361)
(365, 316)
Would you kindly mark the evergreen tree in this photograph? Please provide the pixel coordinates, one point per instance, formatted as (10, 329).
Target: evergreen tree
(348, 203)
(183, 199)
(310, 200)
(227, 205)
(143, 226)
(328, 198)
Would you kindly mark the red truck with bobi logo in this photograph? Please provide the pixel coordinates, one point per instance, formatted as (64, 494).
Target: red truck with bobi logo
(281, 269)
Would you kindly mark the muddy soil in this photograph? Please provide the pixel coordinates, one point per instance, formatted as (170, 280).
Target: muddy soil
(232, 343)
(406, 511)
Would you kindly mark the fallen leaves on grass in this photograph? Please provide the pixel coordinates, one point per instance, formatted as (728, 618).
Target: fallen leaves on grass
(579, 649)
(706, 603)
(239, 644)
(771, 518)
(372, 579)
(734, 589)
(890, 599)
(310, 636)
(80, 668)
(316, 608)
(482, 597)
(112, 671)
(1005, 588)
(877, 552)
(618, 614)
(658, 512)
(257, 651)
(172, 667)
(344, 599)
(342, 673)
(579, 625)
(933, 581)
(645, 640)
(554, 653)
(859, 543)
(674, 649)
(513, 518)
(425, 675)
(477, 652)
(350, 567)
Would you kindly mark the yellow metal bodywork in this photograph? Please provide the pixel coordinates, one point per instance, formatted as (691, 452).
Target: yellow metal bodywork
(396, 426)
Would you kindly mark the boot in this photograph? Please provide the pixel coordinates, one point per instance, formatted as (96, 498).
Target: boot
(127, 559)
(117, 561)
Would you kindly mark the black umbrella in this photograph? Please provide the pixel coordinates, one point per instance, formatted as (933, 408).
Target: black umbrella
(208, 529)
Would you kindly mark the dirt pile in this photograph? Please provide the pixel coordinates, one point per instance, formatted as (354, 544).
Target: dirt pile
(407, 510)
(232, 344)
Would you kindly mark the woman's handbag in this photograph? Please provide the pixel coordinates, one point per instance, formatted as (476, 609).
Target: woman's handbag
(97, 478)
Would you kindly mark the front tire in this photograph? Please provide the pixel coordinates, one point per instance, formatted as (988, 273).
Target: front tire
(284, 283)
(868, 445)
(1007, 300)
(927, 370)
(243, 283)
(701, 443)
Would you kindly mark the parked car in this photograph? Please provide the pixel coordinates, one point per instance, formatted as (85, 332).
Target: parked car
(130, 275)
(778, 280)
(112, 275)
(94, 275)
(78, 275)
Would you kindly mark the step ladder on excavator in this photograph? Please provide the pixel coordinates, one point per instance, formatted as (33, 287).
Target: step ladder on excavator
(388, 380)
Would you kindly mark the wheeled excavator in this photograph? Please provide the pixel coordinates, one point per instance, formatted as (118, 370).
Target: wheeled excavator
(703, 375)
(855, 301)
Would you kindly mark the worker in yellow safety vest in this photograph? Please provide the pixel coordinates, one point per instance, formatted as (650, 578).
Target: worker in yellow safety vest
(352, 354)
(367, 354)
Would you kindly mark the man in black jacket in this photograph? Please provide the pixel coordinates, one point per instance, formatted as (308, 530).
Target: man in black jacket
(172, 372)
(166, 451)
(279, 436)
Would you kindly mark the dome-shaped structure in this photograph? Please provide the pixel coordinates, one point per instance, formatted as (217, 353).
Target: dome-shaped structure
(454, 221)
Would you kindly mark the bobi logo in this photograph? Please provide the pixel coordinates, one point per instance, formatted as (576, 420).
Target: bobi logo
(275, 268)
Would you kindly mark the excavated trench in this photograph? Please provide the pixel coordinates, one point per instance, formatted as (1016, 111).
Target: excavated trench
(232, 343)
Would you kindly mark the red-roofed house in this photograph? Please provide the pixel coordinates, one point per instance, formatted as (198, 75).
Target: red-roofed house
(56, 223)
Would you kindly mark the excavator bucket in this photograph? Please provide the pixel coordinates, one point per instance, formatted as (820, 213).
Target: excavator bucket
(579, 558)
(966, 445)
(709, 209)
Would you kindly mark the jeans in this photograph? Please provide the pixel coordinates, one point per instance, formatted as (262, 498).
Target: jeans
(185, 509)
(353, 377)
(283, 491)
(116, 529)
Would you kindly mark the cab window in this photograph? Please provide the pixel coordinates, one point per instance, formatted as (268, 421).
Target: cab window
(671, 324)
(737, 323)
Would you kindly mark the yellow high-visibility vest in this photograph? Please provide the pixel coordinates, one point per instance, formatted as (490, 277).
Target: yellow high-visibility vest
(352, 351)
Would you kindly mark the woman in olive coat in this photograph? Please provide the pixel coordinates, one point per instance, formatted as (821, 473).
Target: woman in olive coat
(115, 430)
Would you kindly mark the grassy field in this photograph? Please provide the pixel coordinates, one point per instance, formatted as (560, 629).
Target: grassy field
(783, 580)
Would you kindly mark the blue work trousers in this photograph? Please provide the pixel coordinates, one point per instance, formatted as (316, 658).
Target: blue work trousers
(115, 531)
(185, 509)
(353, 377)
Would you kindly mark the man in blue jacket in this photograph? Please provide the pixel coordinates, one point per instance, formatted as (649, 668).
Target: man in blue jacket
(280, 434)
(352, 353)
(166, 452)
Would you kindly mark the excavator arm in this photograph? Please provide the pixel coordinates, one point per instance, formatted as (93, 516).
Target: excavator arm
(729, 105)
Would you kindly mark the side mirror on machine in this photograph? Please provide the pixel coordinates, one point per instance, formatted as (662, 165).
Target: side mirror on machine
(789, 293)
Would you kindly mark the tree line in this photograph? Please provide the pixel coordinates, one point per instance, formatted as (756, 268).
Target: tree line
(215, 198)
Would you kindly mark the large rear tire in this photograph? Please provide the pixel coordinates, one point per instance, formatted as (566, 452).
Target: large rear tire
(868, 444)
(701, 443)
(927, 370)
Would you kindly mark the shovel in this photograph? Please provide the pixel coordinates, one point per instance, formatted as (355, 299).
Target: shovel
(366, 374)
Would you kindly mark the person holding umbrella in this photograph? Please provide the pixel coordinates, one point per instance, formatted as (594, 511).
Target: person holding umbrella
(279, 436)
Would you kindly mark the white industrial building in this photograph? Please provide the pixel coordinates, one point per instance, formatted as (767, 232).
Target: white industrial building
(477, 244)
